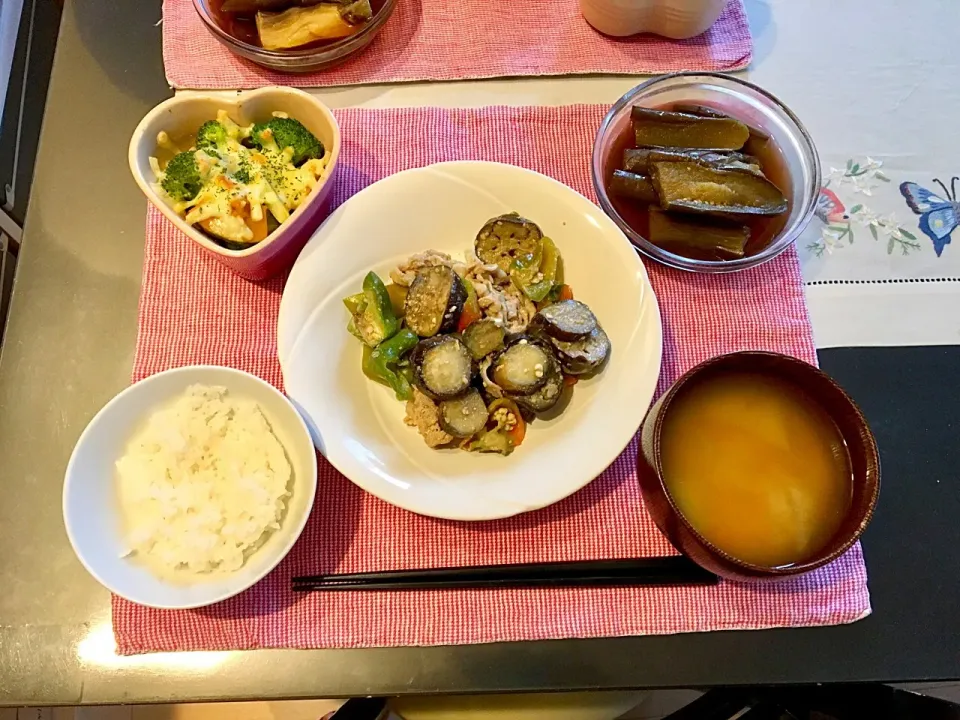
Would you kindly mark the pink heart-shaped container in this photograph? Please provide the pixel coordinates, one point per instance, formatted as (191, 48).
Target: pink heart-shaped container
(184, 113)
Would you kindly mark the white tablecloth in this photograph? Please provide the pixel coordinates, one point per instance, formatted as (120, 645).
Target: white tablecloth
(877, 83)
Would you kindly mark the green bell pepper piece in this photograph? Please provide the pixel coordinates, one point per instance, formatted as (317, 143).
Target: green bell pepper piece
(380, 363)
(549, 269)
(373, 318)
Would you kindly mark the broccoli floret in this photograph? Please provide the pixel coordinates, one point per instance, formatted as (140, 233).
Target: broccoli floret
(291, 133)
(181, 178)
(212, 135)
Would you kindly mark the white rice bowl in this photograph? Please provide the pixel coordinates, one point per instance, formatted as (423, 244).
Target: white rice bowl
(231, 538)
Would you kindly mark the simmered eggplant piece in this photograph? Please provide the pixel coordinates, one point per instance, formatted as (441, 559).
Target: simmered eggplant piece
(665, 128)
(633, 186)
(692, 187)
(701, 110)
(705, 238)
(483, 338)
(637, 160)
(521, 368)
(583, 356)
(567, 320)
(443, 367)
(549, 394)
(506, 239)
(252, 6)
(464, 416)
(434, 301)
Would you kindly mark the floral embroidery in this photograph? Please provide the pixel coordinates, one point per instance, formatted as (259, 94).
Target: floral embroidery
(862, 178)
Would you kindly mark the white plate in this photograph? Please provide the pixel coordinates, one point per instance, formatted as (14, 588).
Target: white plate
(90, 503)
(358, 424)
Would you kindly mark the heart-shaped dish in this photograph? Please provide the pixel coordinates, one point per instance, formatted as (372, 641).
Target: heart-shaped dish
(184, 113)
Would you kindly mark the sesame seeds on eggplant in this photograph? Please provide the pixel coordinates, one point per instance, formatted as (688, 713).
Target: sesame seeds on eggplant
(443, 367)
(434, 301)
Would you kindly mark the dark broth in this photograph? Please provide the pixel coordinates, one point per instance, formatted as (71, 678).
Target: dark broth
(243, 26)
(762, 229)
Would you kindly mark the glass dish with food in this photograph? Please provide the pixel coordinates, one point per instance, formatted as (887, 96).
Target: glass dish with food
(478, 347)
(706, 172)
(294, 35)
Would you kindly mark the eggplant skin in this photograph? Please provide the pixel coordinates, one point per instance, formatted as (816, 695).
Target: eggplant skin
(507, 238)
(568, 320)
(421, 356)
(632, 186)
(434, 301)
(583, 356)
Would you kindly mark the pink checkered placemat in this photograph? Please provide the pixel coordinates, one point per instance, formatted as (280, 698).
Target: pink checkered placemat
(194, 311)
(461, 40)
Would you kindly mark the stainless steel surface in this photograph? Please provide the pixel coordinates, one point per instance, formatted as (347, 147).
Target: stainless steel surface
(69, 349)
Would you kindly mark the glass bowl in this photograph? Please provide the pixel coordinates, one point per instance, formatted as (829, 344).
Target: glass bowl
(744, 101)
(296, 60)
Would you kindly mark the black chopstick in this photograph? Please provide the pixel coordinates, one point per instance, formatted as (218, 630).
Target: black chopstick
(659, 571)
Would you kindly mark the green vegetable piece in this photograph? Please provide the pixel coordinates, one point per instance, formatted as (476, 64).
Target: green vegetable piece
(663, 128)
(550, 266)
(381, 363)
(355, 303)
(491, 441)
(212, 136)
(181, 177)
(287, 133)
(371, 312)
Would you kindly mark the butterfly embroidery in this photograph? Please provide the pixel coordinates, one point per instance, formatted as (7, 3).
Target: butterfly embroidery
(939, 216)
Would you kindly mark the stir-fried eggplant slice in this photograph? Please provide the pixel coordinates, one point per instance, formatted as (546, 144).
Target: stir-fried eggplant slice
(521, 368)
(434, 301)
(705, 238)
(507, 239)
(567, 320)
(549, 394)
(583, 356)
(665, 128)
(483, 338)
(633, 186)
(638, 160)
(443, 367)
(691, 187)
(464, 416)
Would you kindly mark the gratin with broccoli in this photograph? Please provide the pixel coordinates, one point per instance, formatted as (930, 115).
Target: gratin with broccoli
(239, 183)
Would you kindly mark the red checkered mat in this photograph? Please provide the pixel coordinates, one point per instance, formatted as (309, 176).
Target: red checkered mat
(463, 40)
(192, 310)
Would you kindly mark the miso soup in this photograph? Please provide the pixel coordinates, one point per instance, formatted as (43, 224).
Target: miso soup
(759, 469)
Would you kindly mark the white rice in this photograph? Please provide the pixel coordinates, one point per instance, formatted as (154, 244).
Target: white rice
(203, 484)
